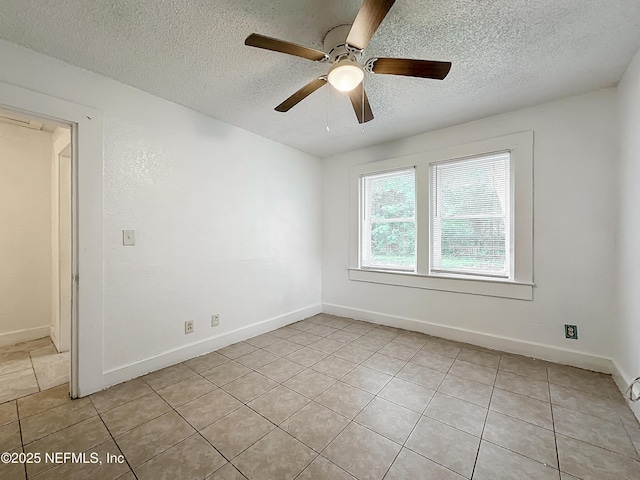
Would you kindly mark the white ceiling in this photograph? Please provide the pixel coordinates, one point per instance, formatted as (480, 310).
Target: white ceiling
(506, 54)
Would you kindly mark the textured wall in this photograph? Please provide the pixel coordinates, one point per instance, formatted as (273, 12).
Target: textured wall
(226, 221)
(627, 352)
(574, 230)
(25, 228)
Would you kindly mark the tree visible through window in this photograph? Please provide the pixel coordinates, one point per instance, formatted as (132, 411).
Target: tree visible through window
(388, 223)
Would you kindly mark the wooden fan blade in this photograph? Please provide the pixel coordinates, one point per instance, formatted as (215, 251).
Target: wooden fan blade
(268, 43)
(356, 96)
(369, 17)
(301, 94)
(411, 68)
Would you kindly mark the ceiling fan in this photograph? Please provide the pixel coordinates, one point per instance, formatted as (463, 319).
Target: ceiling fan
(345, 45)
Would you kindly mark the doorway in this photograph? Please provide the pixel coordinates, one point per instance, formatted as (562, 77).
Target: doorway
(87, 318)
(36, 283)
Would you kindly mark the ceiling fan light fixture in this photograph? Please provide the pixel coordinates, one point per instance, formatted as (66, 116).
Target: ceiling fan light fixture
(346, 75)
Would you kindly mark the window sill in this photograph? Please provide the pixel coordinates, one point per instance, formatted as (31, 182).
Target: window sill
(472, 286)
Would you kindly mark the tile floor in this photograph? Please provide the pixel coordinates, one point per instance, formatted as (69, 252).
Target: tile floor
(332, 398)
(31, 367)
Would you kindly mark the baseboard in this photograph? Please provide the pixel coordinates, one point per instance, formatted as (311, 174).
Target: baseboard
(177, 355)
(623, 381)
(496, 342)
(19, 336)
(53, 333)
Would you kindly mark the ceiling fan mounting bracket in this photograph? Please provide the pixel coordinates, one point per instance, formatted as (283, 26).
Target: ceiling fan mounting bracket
(356, 56)
(368, 66)
(335, 42)
(353, 50)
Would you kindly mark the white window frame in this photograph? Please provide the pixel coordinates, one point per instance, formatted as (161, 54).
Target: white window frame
(520, 283)
(508, 214)
(367, 224)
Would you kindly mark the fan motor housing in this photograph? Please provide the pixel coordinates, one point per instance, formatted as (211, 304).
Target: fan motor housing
(335, 44)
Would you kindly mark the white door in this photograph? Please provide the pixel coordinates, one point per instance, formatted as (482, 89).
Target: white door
(64, 206)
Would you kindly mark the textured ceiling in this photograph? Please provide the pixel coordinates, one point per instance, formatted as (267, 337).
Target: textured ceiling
(506, 54)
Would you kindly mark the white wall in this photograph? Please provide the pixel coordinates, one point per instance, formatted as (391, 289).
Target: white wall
(226, 221)
(25, 238)
(627, 348)
(574, 238)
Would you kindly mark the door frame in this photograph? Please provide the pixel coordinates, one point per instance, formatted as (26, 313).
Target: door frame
(86, 125)
(62, 203)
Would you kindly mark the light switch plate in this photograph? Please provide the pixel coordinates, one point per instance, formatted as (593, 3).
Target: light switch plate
(128, 237)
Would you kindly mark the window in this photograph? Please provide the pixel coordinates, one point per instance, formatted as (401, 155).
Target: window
(388, 238)
(458, 219)
(471, 216)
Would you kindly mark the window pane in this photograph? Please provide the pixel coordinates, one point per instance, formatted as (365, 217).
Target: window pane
(473, 244)
(388, 221)
(393, 243)
(471, 216)
(392, 195)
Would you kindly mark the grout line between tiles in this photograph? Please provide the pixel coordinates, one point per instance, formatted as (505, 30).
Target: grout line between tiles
(141, 424)
(394, 460)
(33, 369)
(374, 397)
(431, 460)
(522, 455)
(524, 396)
(125, 403)
(475, 462)
(21, 439)
(325, 458)
(582, 440)
(388, 338)
(229, 413)
(115, 442)
(203, 437)
(553, 429)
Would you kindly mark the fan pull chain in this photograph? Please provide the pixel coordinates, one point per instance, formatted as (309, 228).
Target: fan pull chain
(328, 98)
(362, 103)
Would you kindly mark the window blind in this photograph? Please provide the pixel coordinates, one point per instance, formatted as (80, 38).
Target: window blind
(471, 216)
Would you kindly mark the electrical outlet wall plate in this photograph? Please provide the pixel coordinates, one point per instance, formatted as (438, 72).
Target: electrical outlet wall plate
(188, 327)
(571, 332)
(215, 320)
